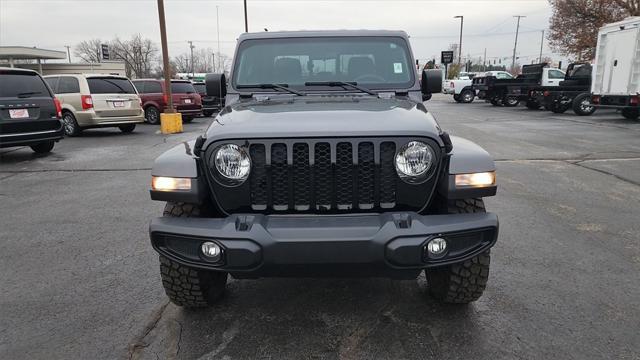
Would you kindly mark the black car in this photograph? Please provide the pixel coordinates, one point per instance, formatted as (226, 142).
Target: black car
(324, 162)
(210, 104)
(29, 113)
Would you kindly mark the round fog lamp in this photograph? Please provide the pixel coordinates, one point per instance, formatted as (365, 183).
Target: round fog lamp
(211, 251)
(436, 247)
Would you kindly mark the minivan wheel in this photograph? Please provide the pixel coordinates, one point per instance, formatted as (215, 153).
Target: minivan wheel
(71, 127)
(43, 147)
(127, 128)
(152, 114)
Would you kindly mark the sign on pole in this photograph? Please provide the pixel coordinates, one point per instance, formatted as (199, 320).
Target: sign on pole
(446, 57)
(105, 51)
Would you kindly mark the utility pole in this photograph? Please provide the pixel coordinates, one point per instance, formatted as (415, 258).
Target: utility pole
(484, 62)
(218, 31)
(191, 47)
(246, 22)
(165, 57)
(513, 64)
(541, 44)
(68, 52)
(460, 45)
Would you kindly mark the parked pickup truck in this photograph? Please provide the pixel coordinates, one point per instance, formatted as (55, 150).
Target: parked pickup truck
(572, 93)
(462, 87)
(509, 92)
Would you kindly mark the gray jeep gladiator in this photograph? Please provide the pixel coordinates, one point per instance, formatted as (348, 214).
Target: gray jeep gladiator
(324, 162)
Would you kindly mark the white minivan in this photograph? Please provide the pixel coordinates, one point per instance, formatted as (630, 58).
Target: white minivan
(96, 100)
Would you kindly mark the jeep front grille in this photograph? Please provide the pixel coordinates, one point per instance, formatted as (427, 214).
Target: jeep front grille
(320, 176)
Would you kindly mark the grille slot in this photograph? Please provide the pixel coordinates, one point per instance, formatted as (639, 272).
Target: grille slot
(279, 177)
(258, 177)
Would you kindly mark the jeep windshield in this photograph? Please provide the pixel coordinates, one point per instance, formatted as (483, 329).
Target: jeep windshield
(306, 63)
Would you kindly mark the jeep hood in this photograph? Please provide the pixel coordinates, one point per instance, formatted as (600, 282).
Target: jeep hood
(323, 116)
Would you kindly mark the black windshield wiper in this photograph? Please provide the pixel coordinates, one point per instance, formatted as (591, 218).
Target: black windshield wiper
(28, 94)
(353, 85)
(283, 87)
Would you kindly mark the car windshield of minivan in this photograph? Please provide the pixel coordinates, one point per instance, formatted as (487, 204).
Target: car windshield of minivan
(182, 88)
(110, 86)
(372, 62)
(22, 86)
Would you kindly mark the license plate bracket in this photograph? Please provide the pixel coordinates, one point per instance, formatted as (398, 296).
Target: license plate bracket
(18, 113)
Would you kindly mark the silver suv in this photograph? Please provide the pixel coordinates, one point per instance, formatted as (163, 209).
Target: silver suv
(96, 100)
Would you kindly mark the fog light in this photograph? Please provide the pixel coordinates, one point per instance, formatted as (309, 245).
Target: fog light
(436, 247)
(211, 251)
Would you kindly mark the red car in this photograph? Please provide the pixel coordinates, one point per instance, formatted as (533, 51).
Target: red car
(154, 98)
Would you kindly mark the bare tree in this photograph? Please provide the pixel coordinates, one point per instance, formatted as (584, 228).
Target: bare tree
(574, 24)
(139, 55)
(88, 50)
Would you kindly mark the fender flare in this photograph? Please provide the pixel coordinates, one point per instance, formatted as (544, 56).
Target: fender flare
(180, 162)
(466, 157)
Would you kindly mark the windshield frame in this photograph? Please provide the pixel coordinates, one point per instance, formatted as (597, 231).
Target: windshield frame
(410, 85)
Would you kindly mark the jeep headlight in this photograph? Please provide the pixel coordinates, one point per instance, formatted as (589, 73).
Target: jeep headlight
(233, 163)
(413, 161)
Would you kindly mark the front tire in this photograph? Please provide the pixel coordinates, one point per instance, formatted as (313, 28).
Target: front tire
(43, 147)
(184, 285)
(464, 282)
(467, 96)
(510, 101)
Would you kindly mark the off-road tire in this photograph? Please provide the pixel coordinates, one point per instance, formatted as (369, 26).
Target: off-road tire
(464, 282)
(43, 147)
(186, 286)
(532, 105)
(152, 115)
(631, 114)
(128, 128)
(580, 105)
(467, 96)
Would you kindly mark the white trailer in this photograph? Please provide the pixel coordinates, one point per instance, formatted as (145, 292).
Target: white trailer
(616, 72)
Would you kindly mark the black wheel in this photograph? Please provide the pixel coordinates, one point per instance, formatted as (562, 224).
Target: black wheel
(187, 119)
(559, 108)
(582, 105)
(186, 286)
(456, 97)
(43, 147)
(631, 113)
(495, 102)
(467, 96)
(465, 282)
(152, 114)
(70, 124)
(510, 101)
(532, 105)
(127, 128)
(208, 113)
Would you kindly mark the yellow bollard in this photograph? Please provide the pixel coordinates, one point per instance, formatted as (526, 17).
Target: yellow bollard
(171, 123)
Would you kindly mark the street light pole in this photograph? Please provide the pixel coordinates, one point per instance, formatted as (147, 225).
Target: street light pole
(541, 44)
(165, 57)
(218, 32)
(515, 46)
(193, 73)
(246, 22)
(68, 53)
(460, 44)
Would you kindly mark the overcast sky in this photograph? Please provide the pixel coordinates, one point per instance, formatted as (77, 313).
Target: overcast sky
(52, 24)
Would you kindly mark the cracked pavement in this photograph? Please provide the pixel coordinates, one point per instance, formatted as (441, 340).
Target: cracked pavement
(79, 278)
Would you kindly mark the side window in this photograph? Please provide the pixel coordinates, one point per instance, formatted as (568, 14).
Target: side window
(53, 83)
(139, 86)
(502, 75)
(68, 85)
(556, 74)
(152, 87)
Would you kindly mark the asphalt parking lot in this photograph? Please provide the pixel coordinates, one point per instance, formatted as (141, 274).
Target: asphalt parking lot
(79, 279)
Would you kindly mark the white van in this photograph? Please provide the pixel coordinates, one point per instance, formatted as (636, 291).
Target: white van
(616, 73)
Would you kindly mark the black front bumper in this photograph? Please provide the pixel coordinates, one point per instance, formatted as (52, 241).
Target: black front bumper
(390, 244)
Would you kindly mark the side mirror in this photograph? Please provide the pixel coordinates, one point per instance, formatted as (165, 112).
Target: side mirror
(216, 85)
(431, 83)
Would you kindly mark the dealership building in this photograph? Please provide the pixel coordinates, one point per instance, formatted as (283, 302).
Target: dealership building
(36, 59)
